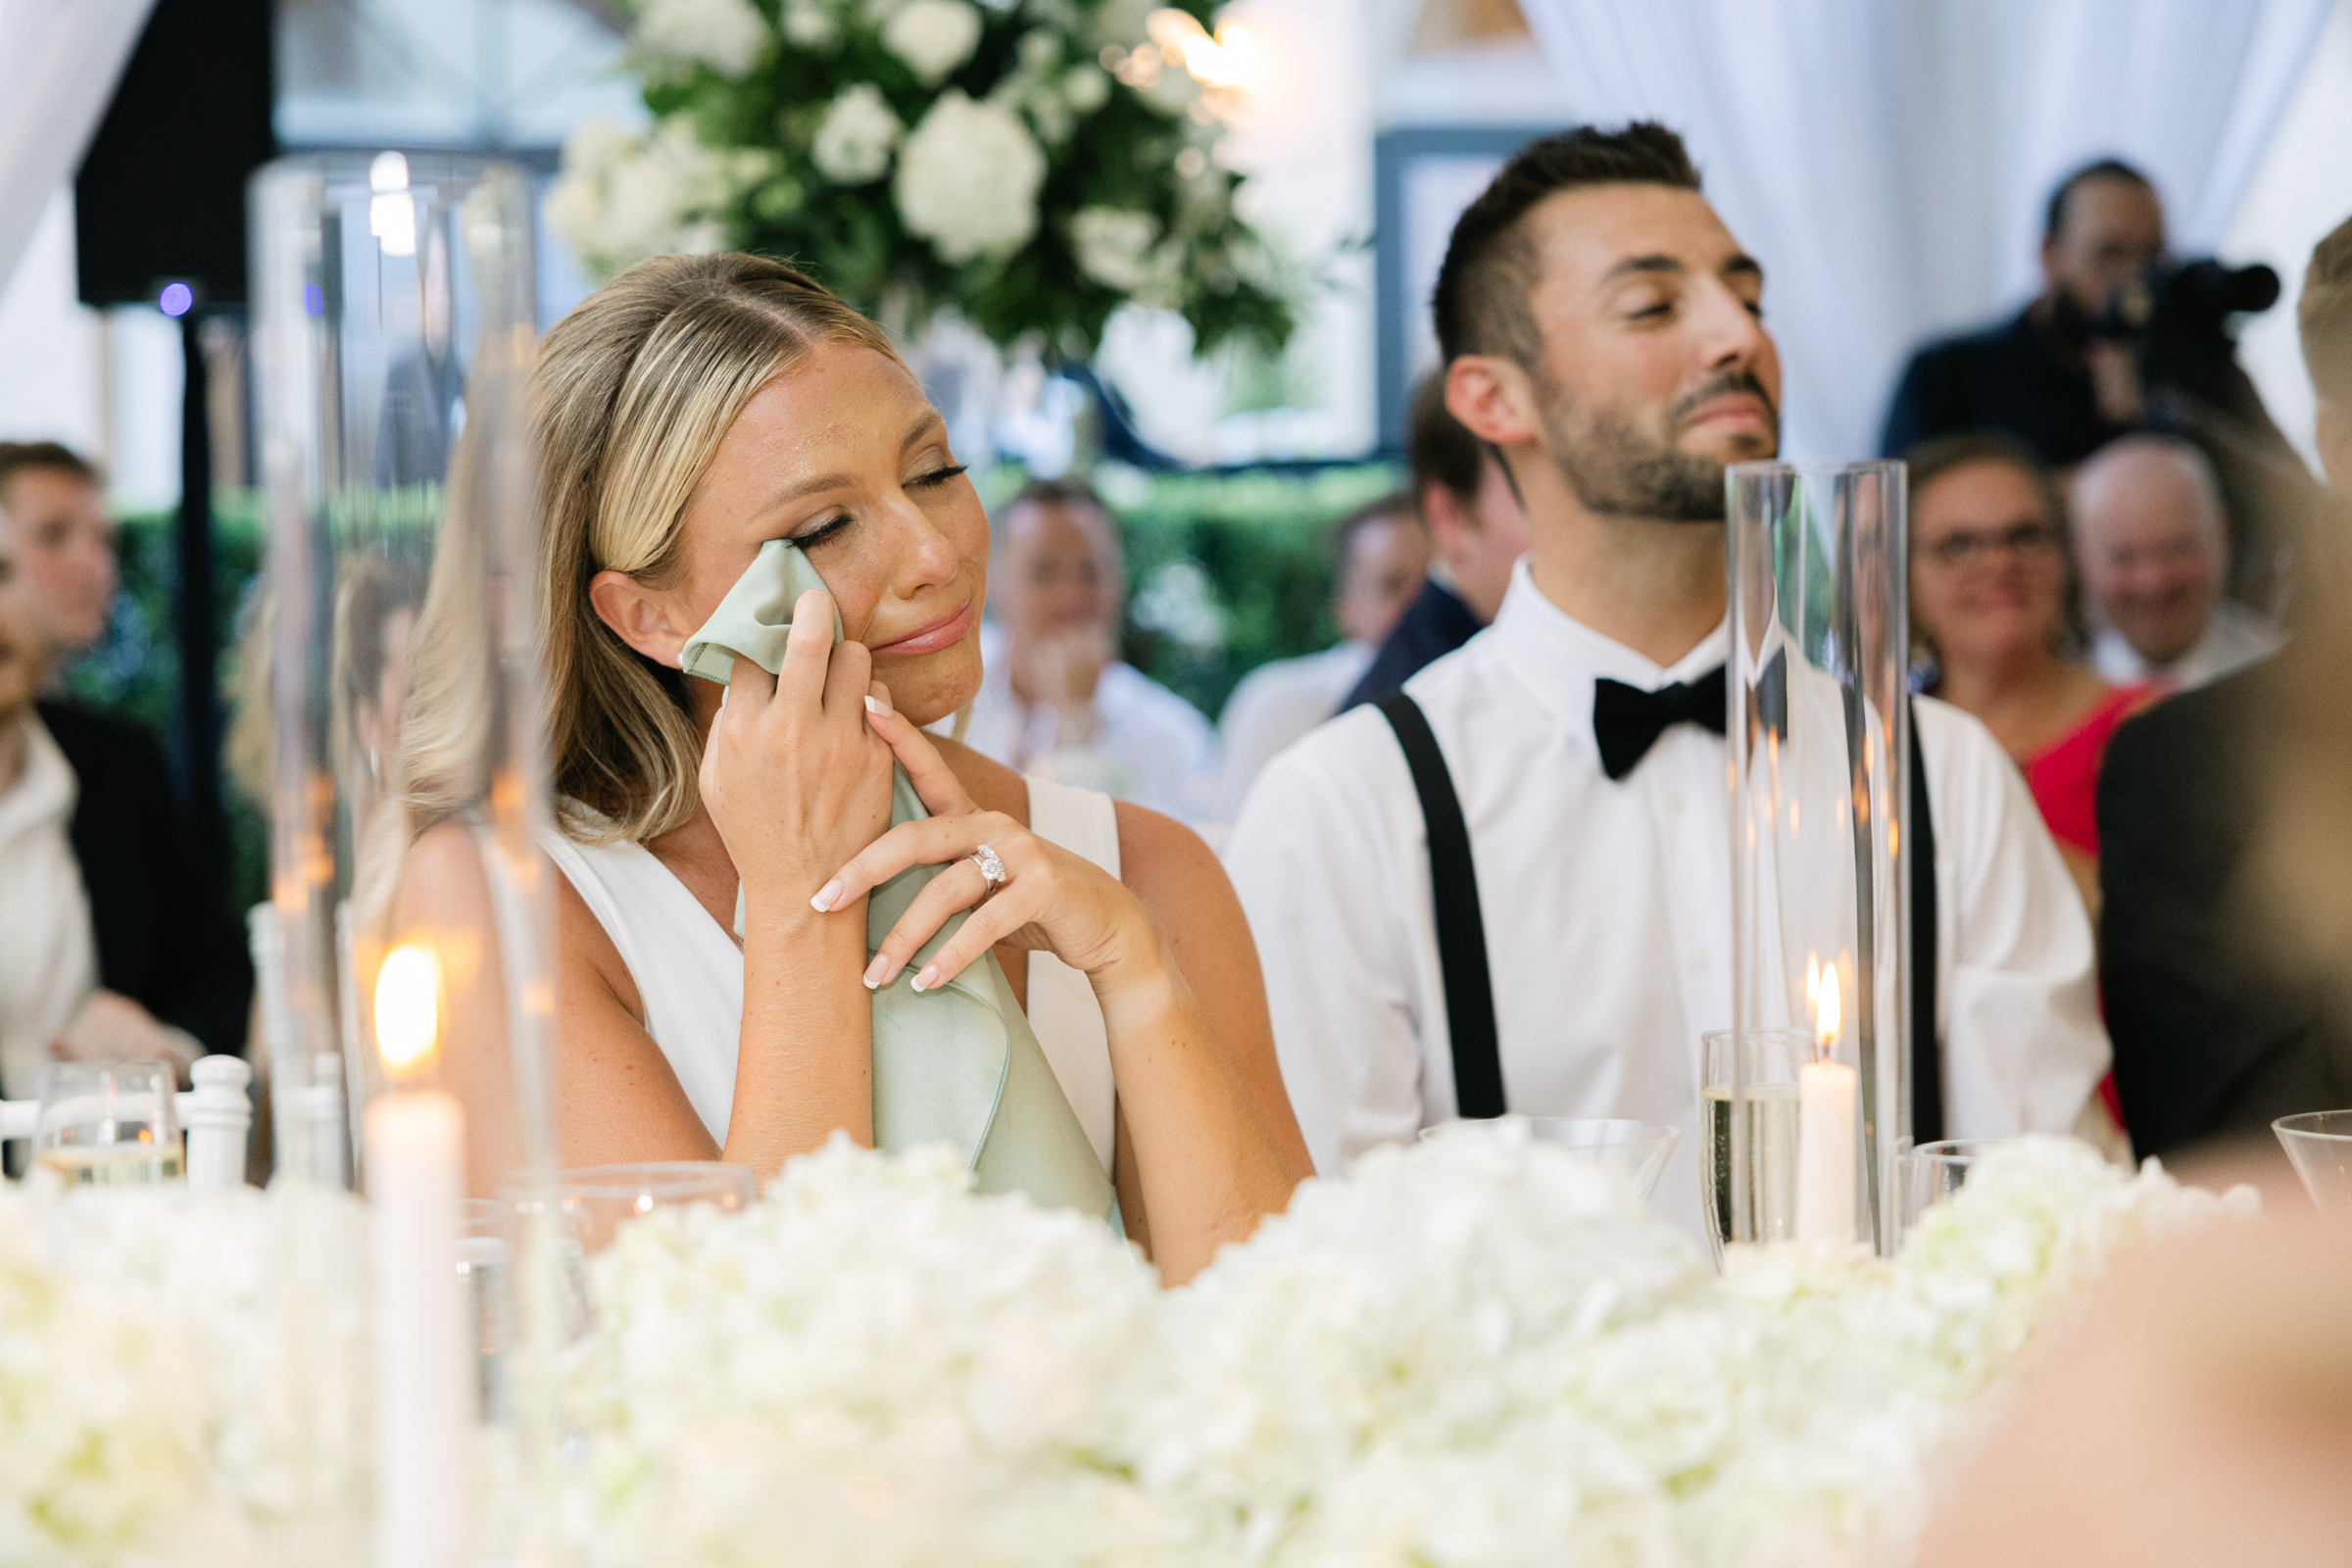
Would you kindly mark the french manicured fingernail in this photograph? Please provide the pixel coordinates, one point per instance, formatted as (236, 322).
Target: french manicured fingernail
(826, 896)
(878, 971)
(875, 705)
(928, 978)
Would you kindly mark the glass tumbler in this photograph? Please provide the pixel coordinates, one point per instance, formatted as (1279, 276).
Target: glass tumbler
(1765, 1065)
(599, 1200)
(109, 1123)
(2320, 1144)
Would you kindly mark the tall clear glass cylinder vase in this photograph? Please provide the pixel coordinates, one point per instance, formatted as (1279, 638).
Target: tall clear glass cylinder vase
(1821, 753)
(394, 307)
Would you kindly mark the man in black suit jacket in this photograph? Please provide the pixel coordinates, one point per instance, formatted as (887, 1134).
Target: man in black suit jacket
(163, 959)
(167, 942)
(2215, 1032)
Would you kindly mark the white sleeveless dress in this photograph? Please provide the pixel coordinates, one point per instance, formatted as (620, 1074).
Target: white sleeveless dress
(689, 971)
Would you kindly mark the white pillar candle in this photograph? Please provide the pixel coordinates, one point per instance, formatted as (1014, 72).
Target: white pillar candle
(1824, 1119)
(416, 1149)
(1825, 1151)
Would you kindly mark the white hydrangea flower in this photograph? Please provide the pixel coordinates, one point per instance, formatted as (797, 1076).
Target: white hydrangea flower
(933, 37)
(1113, 245)
(810, 24)
(673, 36)
(183, 1376)
(1086, 89)
(854, 142)
(967, 180)
(621, 199)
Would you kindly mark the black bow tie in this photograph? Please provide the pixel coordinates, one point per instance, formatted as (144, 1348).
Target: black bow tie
(1627, 720)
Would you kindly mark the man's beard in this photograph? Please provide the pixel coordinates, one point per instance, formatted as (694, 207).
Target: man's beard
(1619, 471)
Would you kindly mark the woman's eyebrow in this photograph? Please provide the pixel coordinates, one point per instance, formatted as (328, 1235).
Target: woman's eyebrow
(922, 427)
(806, 487)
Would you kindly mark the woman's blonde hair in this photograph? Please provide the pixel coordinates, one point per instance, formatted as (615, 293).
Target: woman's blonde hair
(635, 390)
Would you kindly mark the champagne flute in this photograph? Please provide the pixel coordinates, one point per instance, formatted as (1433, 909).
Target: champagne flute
(1771, 1059)
(109, 1123)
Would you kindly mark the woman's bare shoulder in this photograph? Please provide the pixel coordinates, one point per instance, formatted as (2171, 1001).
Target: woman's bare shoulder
(1170, 866)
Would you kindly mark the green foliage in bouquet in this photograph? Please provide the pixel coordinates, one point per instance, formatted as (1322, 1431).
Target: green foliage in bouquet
(1031, 164)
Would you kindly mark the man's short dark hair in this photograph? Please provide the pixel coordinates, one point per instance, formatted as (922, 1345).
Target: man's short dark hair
(1396, 504)
(2323, 315)
(16, 457)
(1480, 303)
(2053, 217)
(1441, 448)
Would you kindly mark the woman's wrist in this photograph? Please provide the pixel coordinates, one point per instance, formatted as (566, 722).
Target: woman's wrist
(1139, 988)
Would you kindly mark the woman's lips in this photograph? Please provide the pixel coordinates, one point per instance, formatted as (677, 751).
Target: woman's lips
(945, 632)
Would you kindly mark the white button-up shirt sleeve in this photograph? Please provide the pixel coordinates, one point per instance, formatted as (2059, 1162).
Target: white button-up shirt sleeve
(1316, 860)
(2024, 1048)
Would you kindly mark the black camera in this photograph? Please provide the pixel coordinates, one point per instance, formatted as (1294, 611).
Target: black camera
(2176, 318)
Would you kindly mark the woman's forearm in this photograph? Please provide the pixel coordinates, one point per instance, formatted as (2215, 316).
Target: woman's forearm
(1210, 1168)
(803, 1067)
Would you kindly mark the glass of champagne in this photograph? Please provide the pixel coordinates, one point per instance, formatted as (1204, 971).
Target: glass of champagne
(1934, 1172)
(109, 1123)
(1769, 1061)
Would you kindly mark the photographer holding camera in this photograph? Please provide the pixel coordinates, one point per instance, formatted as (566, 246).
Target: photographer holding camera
(2122, 339)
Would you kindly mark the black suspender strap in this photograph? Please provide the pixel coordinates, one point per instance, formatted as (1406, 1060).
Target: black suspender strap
(1927, 1060)
(1461, 929)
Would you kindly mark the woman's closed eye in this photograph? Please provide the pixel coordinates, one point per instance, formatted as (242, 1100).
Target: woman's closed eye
(936, 477)
(808, 538)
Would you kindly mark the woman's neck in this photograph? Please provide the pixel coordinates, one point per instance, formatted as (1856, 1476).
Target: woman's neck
(2027, 699)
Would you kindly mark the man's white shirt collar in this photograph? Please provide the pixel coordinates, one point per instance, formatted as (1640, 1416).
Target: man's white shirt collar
(1559, 657)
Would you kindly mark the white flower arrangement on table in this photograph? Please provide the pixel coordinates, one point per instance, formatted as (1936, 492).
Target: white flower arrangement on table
(1477, 1351)
(183, 1378)
(1033, 164)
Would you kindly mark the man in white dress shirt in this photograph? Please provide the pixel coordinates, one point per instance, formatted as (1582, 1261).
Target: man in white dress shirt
(1054, 697)
(1603, 334)
(1383, 552)
(2154, 544)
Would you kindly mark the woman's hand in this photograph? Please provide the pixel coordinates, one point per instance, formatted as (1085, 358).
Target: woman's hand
(794, 777)
(1049, 900)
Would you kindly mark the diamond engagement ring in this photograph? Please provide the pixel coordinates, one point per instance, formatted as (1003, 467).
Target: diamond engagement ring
(992, 870)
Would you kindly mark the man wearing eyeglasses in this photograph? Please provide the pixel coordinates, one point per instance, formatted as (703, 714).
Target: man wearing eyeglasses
(2153, 545)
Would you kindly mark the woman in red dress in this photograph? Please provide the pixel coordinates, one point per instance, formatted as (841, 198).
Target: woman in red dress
(1992, 599)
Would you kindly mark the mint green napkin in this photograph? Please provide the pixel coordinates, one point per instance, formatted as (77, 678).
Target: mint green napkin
(957, 1064)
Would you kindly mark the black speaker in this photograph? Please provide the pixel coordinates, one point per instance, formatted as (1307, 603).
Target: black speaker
(161, 195)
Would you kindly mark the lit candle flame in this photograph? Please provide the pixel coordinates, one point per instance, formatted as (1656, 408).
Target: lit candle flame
(407, 1008)
(1829, 1011)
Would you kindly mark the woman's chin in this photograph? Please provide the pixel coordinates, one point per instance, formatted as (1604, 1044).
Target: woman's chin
(929, 688)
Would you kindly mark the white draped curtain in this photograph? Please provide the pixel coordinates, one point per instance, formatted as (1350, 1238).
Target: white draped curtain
(1887, 160)
(59, 61)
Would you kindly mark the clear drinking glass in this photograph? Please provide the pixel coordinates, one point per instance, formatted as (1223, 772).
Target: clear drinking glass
(1763, 1142)
(1933, 1172)
(599, 1200)
(1819, 727)
(1639, 1149)
(2320, 1144)
(109, 1123)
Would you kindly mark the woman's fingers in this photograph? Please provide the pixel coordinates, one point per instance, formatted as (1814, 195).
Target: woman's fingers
(808, 651)
(991, 924)
(846, 678)
(748, 686)
(935, 783)
(956, 887)
(933, 841)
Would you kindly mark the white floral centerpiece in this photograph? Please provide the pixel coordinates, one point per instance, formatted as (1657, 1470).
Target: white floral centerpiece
(1034, 164)
(1473, 1352)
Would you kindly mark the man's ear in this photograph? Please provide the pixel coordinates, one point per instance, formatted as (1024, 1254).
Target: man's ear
(1494, 400)
(637, 616)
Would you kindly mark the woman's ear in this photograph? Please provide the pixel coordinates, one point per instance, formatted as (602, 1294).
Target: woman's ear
(637, 616)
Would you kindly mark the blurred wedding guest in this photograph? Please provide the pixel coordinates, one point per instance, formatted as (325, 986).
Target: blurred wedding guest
(1504, 887)
(2218, 1029)
(1988, 596)
(116, 945)
(64, 542)
(1477, 531)
(1054, 696)
(2154, 550)
(1383, 554)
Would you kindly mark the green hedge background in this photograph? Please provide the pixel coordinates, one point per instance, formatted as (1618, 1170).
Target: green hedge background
(1226, 570)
